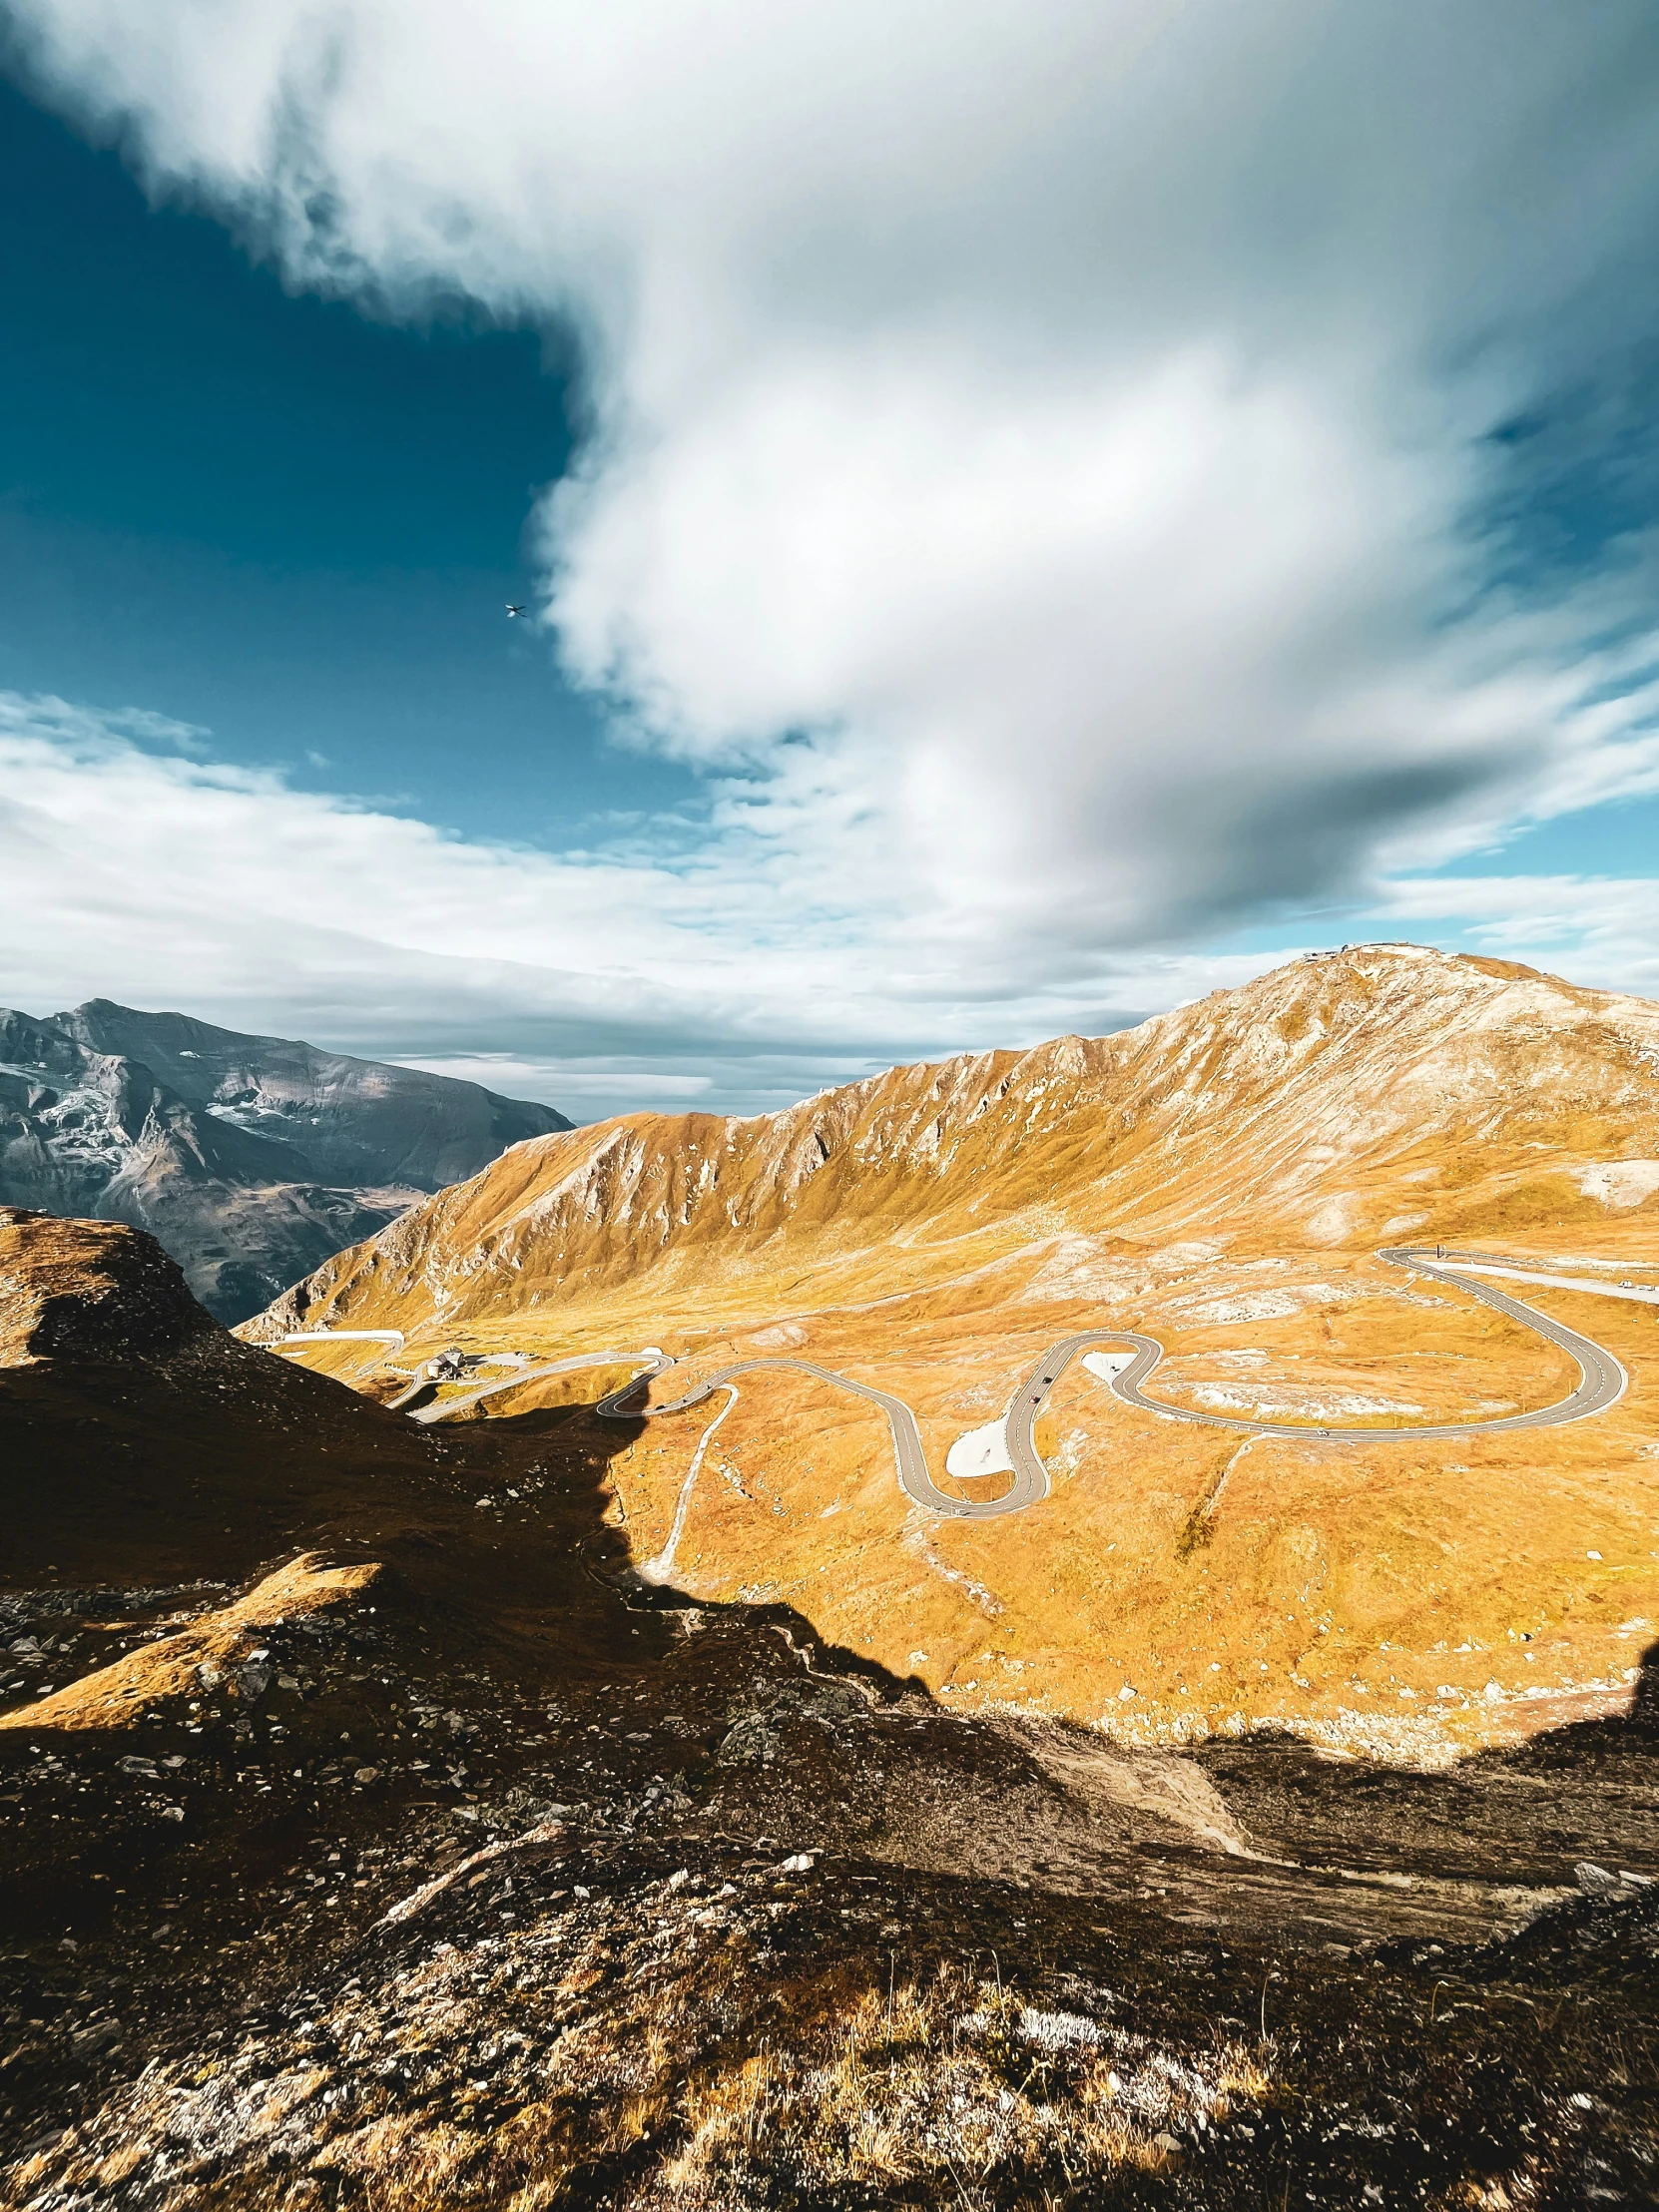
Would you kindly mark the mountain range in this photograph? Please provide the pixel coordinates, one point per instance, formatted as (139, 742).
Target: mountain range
(1337, 1101)
(1219, 1180)
(574, 1796)
(249, 1158)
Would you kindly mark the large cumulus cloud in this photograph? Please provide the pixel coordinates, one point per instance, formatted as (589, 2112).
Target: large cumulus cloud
(1064, 469)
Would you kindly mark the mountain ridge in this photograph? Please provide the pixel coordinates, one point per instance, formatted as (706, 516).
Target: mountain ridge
(252, 1158)
(1442, 1045)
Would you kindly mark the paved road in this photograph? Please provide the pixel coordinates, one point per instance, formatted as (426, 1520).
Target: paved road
(1637, 1293)
(442, 1408)
(392, 1337)
(910, 1460)
(413, 1388)
(1602, 1382)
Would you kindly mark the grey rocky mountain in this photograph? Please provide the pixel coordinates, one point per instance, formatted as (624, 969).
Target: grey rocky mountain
(251, 1159)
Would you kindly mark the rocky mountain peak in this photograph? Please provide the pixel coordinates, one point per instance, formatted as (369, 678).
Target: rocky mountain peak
(89, 1290)
(251, 1158)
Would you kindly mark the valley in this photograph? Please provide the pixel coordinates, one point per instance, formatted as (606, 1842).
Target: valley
(1602, 1382)
(512, 1726)
(1397, 1551)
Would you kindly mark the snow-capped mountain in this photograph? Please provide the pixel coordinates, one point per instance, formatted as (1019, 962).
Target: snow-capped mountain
(251, 1159)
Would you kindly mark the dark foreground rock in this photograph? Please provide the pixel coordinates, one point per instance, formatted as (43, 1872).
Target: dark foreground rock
(370, 1838)
(385, 1929)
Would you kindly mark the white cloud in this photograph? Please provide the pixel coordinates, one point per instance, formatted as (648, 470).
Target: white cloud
(1601, 930)
(1041, 459)
(572, 1083)
(599, 982)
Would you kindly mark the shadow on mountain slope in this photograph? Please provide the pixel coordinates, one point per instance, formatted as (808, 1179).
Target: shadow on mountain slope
(371, 1838)
(143, 1446)
(1523, 1815)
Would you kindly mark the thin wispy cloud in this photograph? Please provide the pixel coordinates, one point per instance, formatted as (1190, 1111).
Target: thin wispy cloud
(1077, 480)
(602, 984)
(597, 977)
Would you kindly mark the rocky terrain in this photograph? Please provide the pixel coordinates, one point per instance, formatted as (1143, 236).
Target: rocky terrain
(371, 1833)
(251, 1159)
(1220, 1178)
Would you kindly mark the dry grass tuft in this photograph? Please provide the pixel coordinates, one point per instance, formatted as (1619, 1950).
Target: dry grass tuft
(954, 2087)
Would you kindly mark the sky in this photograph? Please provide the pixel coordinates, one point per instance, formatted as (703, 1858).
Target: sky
(1025, 516)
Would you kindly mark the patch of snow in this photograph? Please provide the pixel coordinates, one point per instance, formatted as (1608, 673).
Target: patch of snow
(780, 1337)
(1254, 1306)
(1275, 1304)
(1334, 1220)
(1077, 1267)
(981, 1451)
(1106, 1363)
(1621, 1182)
(1291, 1403)
(659, 1568)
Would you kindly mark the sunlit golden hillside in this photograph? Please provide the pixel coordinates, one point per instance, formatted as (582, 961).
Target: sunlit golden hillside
(1219, 1178)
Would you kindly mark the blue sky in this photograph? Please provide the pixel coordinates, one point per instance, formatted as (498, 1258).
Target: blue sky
(1021, 529)
(273, 516)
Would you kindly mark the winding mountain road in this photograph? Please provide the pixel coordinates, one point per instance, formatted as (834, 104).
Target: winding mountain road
(1602, 1381)
(911, 1459)
(442, 1408)
(392, 1337)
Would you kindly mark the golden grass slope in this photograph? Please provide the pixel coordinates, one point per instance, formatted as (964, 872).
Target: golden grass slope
(158, 1678)
(1219, 1177)
(1382, 1092)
